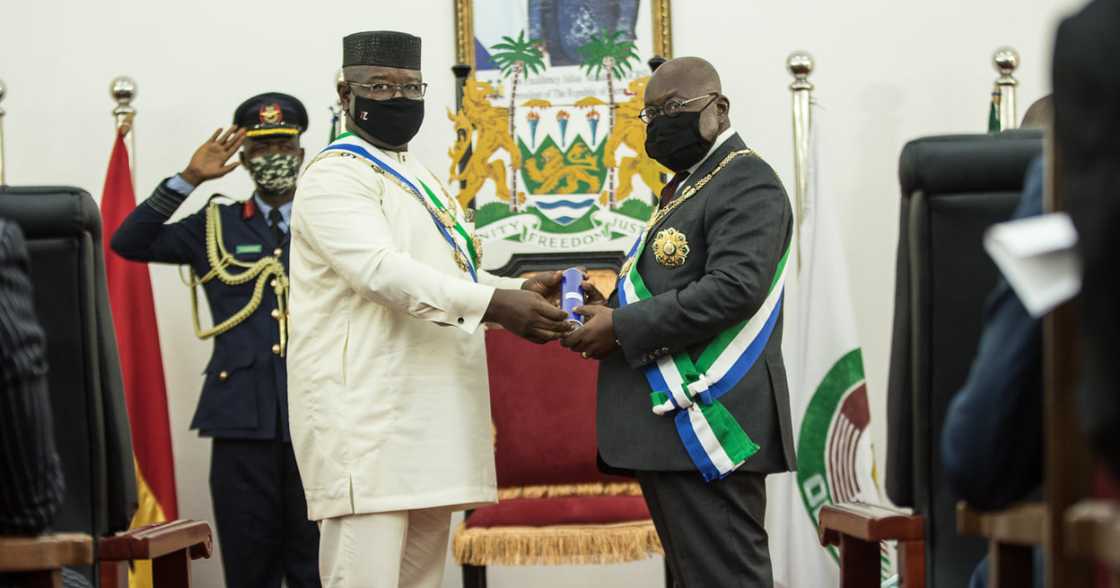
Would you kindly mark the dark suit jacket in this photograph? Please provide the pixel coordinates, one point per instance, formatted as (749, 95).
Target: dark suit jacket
(991, 444)
(737, 228)
(252, 401)
(1087, 130)
(31, 484)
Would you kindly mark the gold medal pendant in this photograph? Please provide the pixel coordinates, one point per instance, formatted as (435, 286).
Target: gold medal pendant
(445, 218)
(670, 248)
(461, 260)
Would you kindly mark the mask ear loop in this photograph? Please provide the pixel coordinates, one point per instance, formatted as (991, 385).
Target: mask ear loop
(715, 97)
(349, 103)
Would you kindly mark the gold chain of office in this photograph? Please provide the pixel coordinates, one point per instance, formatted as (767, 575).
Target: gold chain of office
(660, 214)
(268, 270)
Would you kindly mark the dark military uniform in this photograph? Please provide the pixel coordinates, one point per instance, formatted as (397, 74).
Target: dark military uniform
(259, 505)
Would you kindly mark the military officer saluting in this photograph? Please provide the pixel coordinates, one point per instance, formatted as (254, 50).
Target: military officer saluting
(238, 253)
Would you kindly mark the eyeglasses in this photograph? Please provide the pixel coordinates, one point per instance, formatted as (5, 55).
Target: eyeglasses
(673, 107)
(383, 91)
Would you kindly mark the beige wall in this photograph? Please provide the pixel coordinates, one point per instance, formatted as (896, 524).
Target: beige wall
(888, 71)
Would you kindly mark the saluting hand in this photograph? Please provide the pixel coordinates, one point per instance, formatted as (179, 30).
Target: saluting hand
(209, 160)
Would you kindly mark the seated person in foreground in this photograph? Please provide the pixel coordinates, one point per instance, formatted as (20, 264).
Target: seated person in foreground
(31, 483)
(991, 446)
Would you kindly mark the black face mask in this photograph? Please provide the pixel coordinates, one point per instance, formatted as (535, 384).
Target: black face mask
(676, 142)
(394, 122)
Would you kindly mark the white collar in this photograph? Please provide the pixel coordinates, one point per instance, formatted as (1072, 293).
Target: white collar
(720, 140)
(401, 157)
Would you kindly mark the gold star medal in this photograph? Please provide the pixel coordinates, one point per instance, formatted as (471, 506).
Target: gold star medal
(670, 248)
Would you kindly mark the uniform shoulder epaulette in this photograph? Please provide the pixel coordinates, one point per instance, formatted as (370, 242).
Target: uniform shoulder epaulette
(222, 198)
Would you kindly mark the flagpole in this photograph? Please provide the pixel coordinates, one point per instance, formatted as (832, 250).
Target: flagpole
(123, 91)
(338, 123)
(1006, 61)
(800, 65)
(3, 177)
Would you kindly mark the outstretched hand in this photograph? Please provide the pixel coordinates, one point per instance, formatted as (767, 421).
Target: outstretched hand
(210, 159)
(547, 284)
(591, 294)
(595, 339)
(528, 315)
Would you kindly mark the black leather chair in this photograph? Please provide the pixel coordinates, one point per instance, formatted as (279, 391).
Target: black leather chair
(62, 227)
(63, 231)
(953, 189)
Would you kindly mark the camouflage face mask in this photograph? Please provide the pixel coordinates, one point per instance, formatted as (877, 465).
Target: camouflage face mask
(276, 172)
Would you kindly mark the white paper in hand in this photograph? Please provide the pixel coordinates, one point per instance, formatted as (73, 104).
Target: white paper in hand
(1037, 257)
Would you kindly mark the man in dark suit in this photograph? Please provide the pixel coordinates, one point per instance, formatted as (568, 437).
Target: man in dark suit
(695, 329)
(31, 481)
(239, 253)
(991, 443)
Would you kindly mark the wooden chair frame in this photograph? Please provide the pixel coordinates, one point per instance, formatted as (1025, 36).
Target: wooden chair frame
(856, 530)
(37, 562)
(171, 547)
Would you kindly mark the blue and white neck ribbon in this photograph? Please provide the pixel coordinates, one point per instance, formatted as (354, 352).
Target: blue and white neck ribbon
(465, 249)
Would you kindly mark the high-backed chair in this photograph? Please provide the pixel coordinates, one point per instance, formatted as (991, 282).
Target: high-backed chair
(953, 189)
(63, 232)
(555, 507)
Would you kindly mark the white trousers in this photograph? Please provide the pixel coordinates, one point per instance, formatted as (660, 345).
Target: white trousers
(405, 549)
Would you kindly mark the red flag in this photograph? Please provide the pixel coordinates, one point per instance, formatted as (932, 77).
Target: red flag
(134, 316)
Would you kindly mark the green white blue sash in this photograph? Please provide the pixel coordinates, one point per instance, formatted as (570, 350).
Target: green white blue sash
(690, 391)
(466, 248)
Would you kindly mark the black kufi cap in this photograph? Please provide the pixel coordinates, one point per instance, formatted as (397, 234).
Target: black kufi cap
(381, 48)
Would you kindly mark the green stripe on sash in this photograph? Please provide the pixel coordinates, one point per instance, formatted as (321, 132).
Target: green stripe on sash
(716, 347)
(458, 227)
(734, 440)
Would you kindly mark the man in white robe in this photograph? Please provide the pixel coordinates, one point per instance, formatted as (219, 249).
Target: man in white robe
(390, 407)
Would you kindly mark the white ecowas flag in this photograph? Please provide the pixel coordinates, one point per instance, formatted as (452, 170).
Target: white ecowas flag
(828, 397)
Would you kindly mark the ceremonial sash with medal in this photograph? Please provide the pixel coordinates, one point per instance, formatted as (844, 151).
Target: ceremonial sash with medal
(689, 391)
(464, 246)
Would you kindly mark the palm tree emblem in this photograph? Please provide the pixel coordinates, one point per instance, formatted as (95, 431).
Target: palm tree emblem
(611, 54)
(519, 57)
